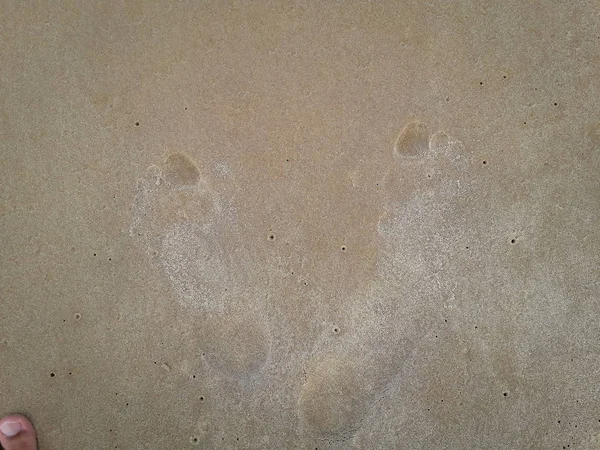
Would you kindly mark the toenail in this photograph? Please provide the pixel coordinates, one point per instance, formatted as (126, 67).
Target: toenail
(11, 428)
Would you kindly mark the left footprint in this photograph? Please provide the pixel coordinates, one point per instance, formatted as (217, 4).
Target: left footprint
(180, 220)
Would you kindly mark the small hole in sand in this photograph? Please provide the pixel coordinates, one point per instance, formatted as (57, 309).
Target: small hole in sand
(336, 330)
(137, 124)
(513, 241)
(94, 254)
(77, 316)
(194, 377)
(202, 398)
(555, 104)
(271, 237)
(343, 248)
(194, 440)
(503, 76)
(505, 394)
(481, 83)
(52, 375)
(484, 162)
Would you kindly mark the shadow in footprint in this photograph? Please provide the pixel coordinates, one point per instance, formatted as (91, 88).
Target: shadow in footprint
(235, 345)
(413, 141)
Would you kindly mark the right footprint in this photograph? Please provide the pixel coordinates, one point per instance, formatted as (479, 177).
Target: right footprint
(344, 384)
(424, 225)
(421, 231)
(190, 233)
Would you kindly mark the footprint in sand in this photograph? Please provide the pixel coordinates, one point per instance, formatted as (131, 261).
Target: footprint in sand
(427, 210)
(190, 234)
(345, 382)
(419, 230)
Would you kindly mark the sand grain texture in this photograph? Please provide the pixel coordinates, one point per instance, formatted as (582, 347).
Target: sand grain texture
(301, 225)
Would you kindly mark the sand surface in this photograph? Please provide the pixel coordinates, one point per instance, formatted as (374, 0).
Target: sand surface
(301, 225)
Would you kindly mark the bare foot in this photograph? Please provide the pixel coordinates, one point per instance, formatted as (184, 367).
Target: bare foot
(17, 433)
